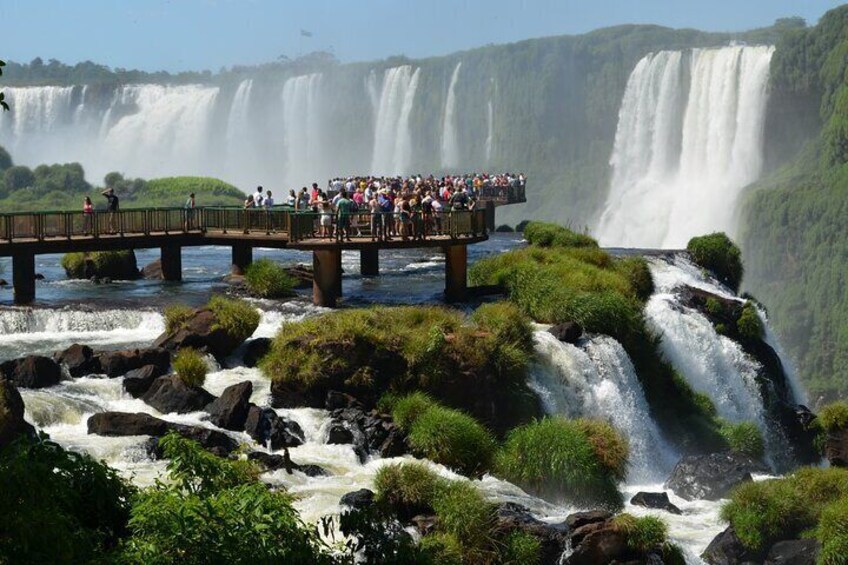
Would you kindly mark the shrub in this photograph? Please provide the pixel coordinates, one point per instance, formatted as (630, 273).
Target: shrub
(407, 487)
(557, 458)
(190, 367)
(236, 317)
(520, 548)
(749, 325)
(832, 532)
(744, 438)
(176, 317)
(519, 227)
(466, 515)
(267, 279)
(452, 439)
(637, 271)
(719, 255)
(645, 534)
(609, 445)
(504, 228)
(407, 409)
(833, 417)
(551, 235)
(118, 265)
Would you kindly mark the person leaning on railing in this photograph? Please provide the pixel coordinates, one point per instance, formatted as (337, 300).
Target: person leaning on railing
(87, 216)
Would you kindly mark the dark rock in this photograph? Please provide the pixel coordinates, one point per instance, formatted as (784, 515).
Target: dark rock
(170, 394)
(201, 331)
(217, 443)
(79, 360)
(358, 499)
(229, 411)
(94, 280)
(119, 266)
(12, 423)
(255, 350)
(370, 432)
(711, 477)
(655, 500)
(553, 537)
(337, 400)
(599, 543)
(138, 381)
(394, 445)
(266, 427)
(726, 549)
(39, 277)
(339, 435)
(272, 462)
(580, 519)
(569, 332)
(153, 271)
(311, 470)
(32, 371)
(4, 282)
(118, 363)
(836, 447)
(794, 552)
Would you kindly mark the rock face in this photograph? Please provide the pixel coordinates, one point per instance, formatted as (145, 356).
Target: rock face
(569, 332)
(255, 350)
(138, 381)
(79, 360)
(710, 477)
(12, 423)
(655, 500)
(358, 499)
(118, 363)
(170, 394)
(202, 332)
(553, 537)
(726, 549)
(268, 428)
(32, 371)
(836, 448)
(229, 411)
(794, 552)
(369, 432)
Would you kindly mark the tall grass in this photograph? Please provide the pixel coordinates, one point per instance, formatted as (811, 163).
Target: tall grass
(744, 437)
(718, 254)
(176, 317)
(236, 317)
(268, 279)
(453, 439)
(190, 367)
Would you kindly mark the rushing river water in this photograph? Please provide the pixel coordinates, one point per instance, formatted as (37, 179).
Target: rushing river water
(594, 378)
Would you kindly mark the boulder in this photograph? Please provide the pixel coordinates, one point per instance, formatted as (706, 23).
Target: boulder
(12, 423)
(712, 476)
(79, 360)
(553, 537)
(726, 549)
(153, 271)
(369, 432)
(217, 443)
(255, 350)
(794, 552)
(229, 411)
(655, 500)
(119, 363)
(580, 519)
(32, 371)
(201, 331)
(266, 427)
(597, 543)
(836, 447)
(358, 499)
(339, 434)
(4, 282)
(170, 394)
(569, 332)
(116, 265)
(272, 462)
(138, 381)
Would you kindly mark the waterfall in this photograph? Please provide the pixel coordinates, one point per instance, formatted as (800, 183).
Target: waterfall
(450, 143)
(302, 127)
(689, 139)
(597, 380)
(392, 136)
(490, 131)
(238, 128)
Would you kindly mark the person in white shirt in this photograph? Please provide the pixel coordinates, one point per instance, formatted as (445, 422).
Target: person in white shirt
(258, 197)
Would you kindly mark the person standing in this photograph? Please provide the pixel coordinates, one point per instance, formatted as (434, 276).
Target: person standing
(112, 206)
(268, 203)
(87, 216)
(258, 197)
(188, 213)
(345, 209)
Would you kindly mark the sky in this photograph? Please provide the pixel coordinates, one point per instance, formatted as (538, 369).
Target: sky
(178, 35)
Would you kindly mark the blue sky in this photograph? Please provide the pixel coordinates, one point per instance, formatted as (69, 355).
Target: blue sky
(179, 35)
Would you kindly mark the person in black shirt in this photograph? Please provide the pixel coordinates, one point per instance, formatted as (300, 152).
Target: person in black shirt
(111, 207)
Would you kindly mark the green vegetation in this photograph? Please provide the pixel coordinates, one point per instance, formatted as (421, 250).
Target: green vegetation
(521, 548)
(832, 532)
(190, 367)
(833, 417)
(408, 488)
(719, 255)
(578, 461)
(649, 534)
(744, 438)
(176, 316)
(267, 279)
(765, 512)
(551, 235)
(173, 191)
(236, 317)
(749, 325)
(118, 265)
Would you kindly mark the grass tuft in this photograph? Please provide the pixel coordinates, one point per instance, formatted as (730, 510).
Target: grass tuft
(268, 279)
(236, 317)
(719, 255)
(190, 367)
(176, 317)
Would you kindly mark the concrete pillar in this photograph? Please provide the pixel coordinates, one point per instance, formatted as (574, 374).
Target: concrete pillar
(369, 262)
(172, 263)
(242, 258)
(456, 272)
(23, 277)
(326, 277)
(490, 215)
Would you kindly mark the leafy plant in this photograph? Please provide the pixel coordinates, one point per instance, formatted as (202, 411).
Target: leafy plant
(190, 367)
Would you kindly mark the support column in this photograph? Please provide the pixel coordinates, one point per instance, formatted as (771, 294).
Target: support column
(326, 277)
(23, 277)
(369, 262)
(490, 216)
(242, 258)
(172, 263)
(456, 272)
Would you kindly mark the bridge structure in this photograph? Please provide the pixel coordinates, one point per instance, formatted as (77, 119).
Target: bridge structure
(25, 235)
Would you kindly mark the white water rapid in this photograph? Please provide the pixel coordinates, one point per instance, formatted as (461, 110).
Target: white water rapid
(392, 136)
(450, 143)
(689, 139)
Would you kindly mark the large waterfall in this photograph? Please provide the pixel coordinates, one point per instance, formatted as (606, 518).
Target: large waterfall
(450, 143)
(392, 136)
(689, 139)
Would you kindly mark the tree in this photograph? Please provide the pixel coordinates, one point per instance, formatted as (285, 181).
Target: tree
(5, 159)
(18, 177)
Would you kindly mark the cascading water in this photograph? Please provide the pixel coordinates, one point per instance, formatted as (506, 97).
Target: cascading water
(450, 143)
(597, 380)
(302, 127)
(490, 130)
(689, 139)
(392, 136)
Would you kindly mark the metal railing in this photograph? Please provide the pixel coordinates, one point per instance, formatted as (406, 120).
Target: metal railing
(280, 222)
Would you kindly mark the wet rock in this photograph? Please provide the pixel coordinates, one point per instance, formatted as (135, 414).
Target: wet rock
(32, 371)
(553, 537)
(138, 381)
(303, 274)
(153, 271)
(580, 519)
(369, 432)
(12, 423)
(272, 462)
(569, 332)
(726, 549)
(337, 400)
(4, 282)
(597, 543)
(358, 499)
(229, 411)
(170, 394)
(255, 350)
(794, 552)
(711, 477)
(201, 331)
(116, 265)
(217, 443)
(79, 360)
(266, 427)
(339, 435)
(39, 277)
(655, 500)
(118, 363)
